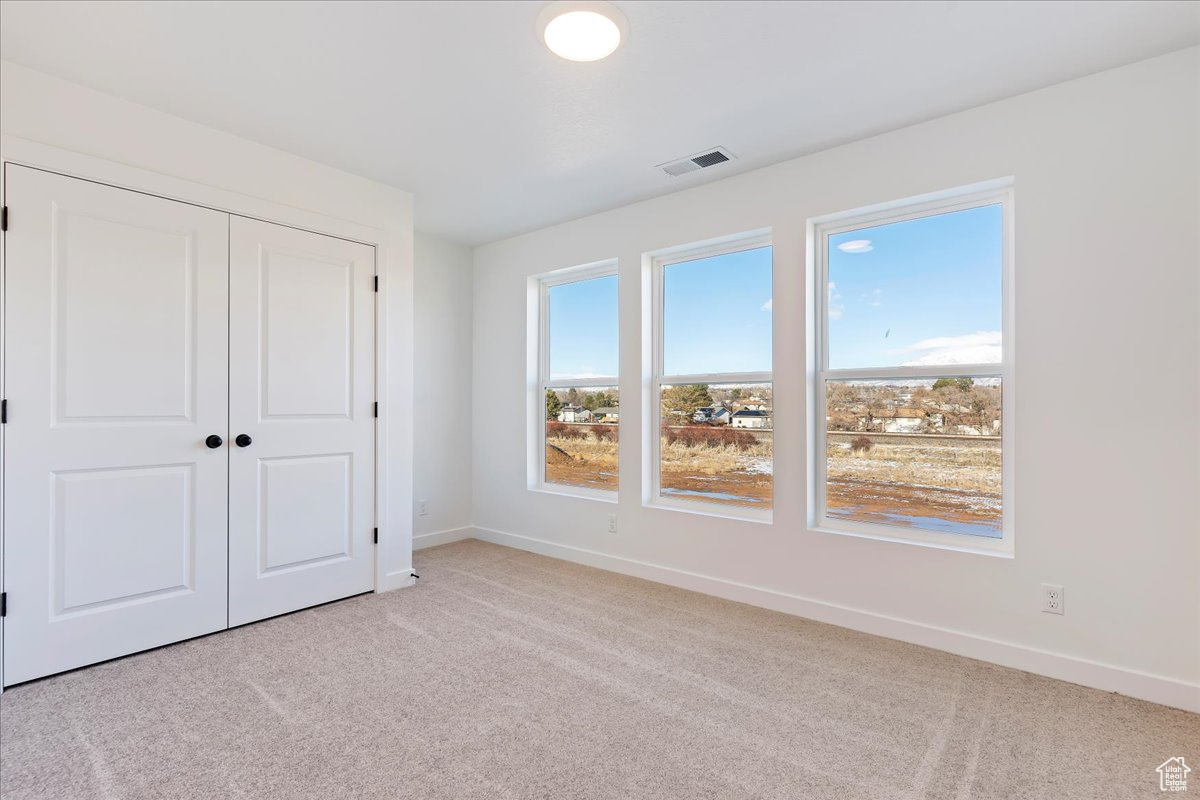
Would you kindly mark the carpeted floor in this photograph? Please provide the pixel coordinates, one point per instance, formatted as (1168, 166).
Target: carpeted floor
(509, 675)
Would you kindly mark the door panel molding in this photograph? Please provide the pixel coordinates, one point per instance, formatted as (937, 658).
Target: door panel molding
(334, 540)
(295, 290)
(77, 548)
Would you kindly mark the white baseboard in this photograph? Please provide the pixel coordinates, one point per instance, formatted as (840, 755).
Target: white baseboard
(1106, 677)
(435, 538)
(395, 580)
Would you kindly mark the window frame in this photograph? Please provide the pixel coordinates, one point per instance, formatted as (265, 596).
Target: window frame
(539, 373)
(820, 229)
(654, 379)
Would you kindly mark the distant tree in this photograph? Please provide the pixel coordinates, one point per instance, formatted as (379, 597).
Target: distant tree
(572, 397)
(553, 404)
(877, 408)
(599, 400)
(841, 395)
(964, 384)
(985, 403)
(841, 421)
(735, 394)
(685, 399)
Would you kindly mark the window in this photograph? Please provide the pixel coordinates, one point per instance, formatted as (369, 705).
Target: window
(576, 401)
(913, 371)
(710, 393)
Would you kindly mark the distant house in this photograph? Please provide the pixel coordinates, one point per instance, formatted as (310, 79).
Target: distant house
(606, 414)
(900, 420)
(975, 430)
(574, 414)
(712, 415)
(752, 418)
(903, 420)
(908, 420)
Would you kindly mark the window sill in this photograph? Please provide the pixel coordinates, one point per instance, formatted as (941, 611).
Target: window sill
(576, 492)
(996, 548)
(756, 515)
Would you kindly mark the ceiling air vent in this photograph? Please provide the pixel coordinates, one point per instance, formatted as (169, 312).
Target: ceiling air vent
(707, 158)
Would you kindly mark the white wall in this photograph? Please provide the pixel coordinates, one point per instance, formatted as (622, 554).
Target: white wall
(442, 385)
(235, 174)
(1107, 208)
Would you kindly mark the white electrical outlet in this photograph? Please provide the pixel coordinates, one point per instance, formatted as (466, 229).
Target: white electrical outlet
(612, 523)
(1052, 598)
(422, 508)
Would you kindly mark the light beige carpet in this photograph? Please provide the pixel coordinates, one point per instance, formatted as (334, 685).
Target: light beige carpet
(510, 675)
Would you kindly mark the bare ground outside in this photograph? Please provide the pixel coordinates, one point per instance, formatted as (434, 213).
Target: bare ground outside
(921, 482)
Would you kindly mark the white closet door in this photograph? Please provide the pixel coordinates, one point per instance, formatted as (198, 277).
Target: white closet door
(116, 351)
(302, 383)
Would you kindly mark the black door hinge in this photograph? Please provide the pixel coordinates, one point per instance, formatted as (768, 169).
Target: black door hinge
(377, 408)
(4, 218)
(376, 540)
(377, 283)
(3, 604)
(3, 412)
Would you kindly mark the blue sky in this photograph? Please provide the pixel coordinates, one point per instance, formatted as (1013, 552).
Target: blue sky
(716, 318)
(717, 314)
(924, 291)
(583, 328)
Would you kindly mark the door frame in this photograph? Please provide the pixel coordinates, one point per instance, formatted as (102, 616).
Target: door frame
(393, 252)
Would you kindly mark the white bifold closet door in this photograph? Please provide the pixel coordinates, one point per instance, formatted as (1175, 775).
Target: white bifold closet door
(302, 394)
(116, 374)
(190, 431)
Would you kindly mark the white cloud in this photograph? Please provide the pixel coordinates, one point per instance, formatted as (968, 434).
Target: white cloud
(977, 338)
(583, 374)
(856, 246)
(875, 298)
(835, 306)
(767, 306)
(981, 347)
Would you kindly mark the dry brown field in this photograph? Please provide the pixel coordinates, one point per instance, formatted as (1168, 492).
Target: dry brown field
(908, 483)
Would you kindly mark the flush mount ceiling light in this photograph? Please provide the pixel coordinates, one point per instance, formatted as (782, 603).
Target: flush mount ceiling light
(582, 31)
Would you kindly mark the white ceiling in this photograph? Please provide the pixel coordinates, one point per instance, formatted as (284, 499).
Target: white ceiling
(459, 103)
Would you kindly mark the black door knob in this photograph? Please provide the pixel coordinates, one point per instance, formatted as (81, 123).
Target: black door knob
(242, 440)
(214, 441)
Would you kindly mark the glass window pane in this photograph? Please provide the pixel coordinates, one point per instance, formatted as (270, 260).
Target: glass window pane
(716, 444)
(916, 453)
(920, 292)
(583, 329)
(581, 436)
(717, 314)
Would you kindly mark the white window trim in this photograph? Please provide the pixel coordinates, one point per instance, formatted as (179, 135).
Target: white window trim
(653, 378)
(539, 381)
(819, 231)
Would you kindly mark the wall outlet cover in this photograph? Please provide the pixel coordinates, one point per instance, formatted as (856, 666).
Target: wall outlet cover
(1053, 598)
